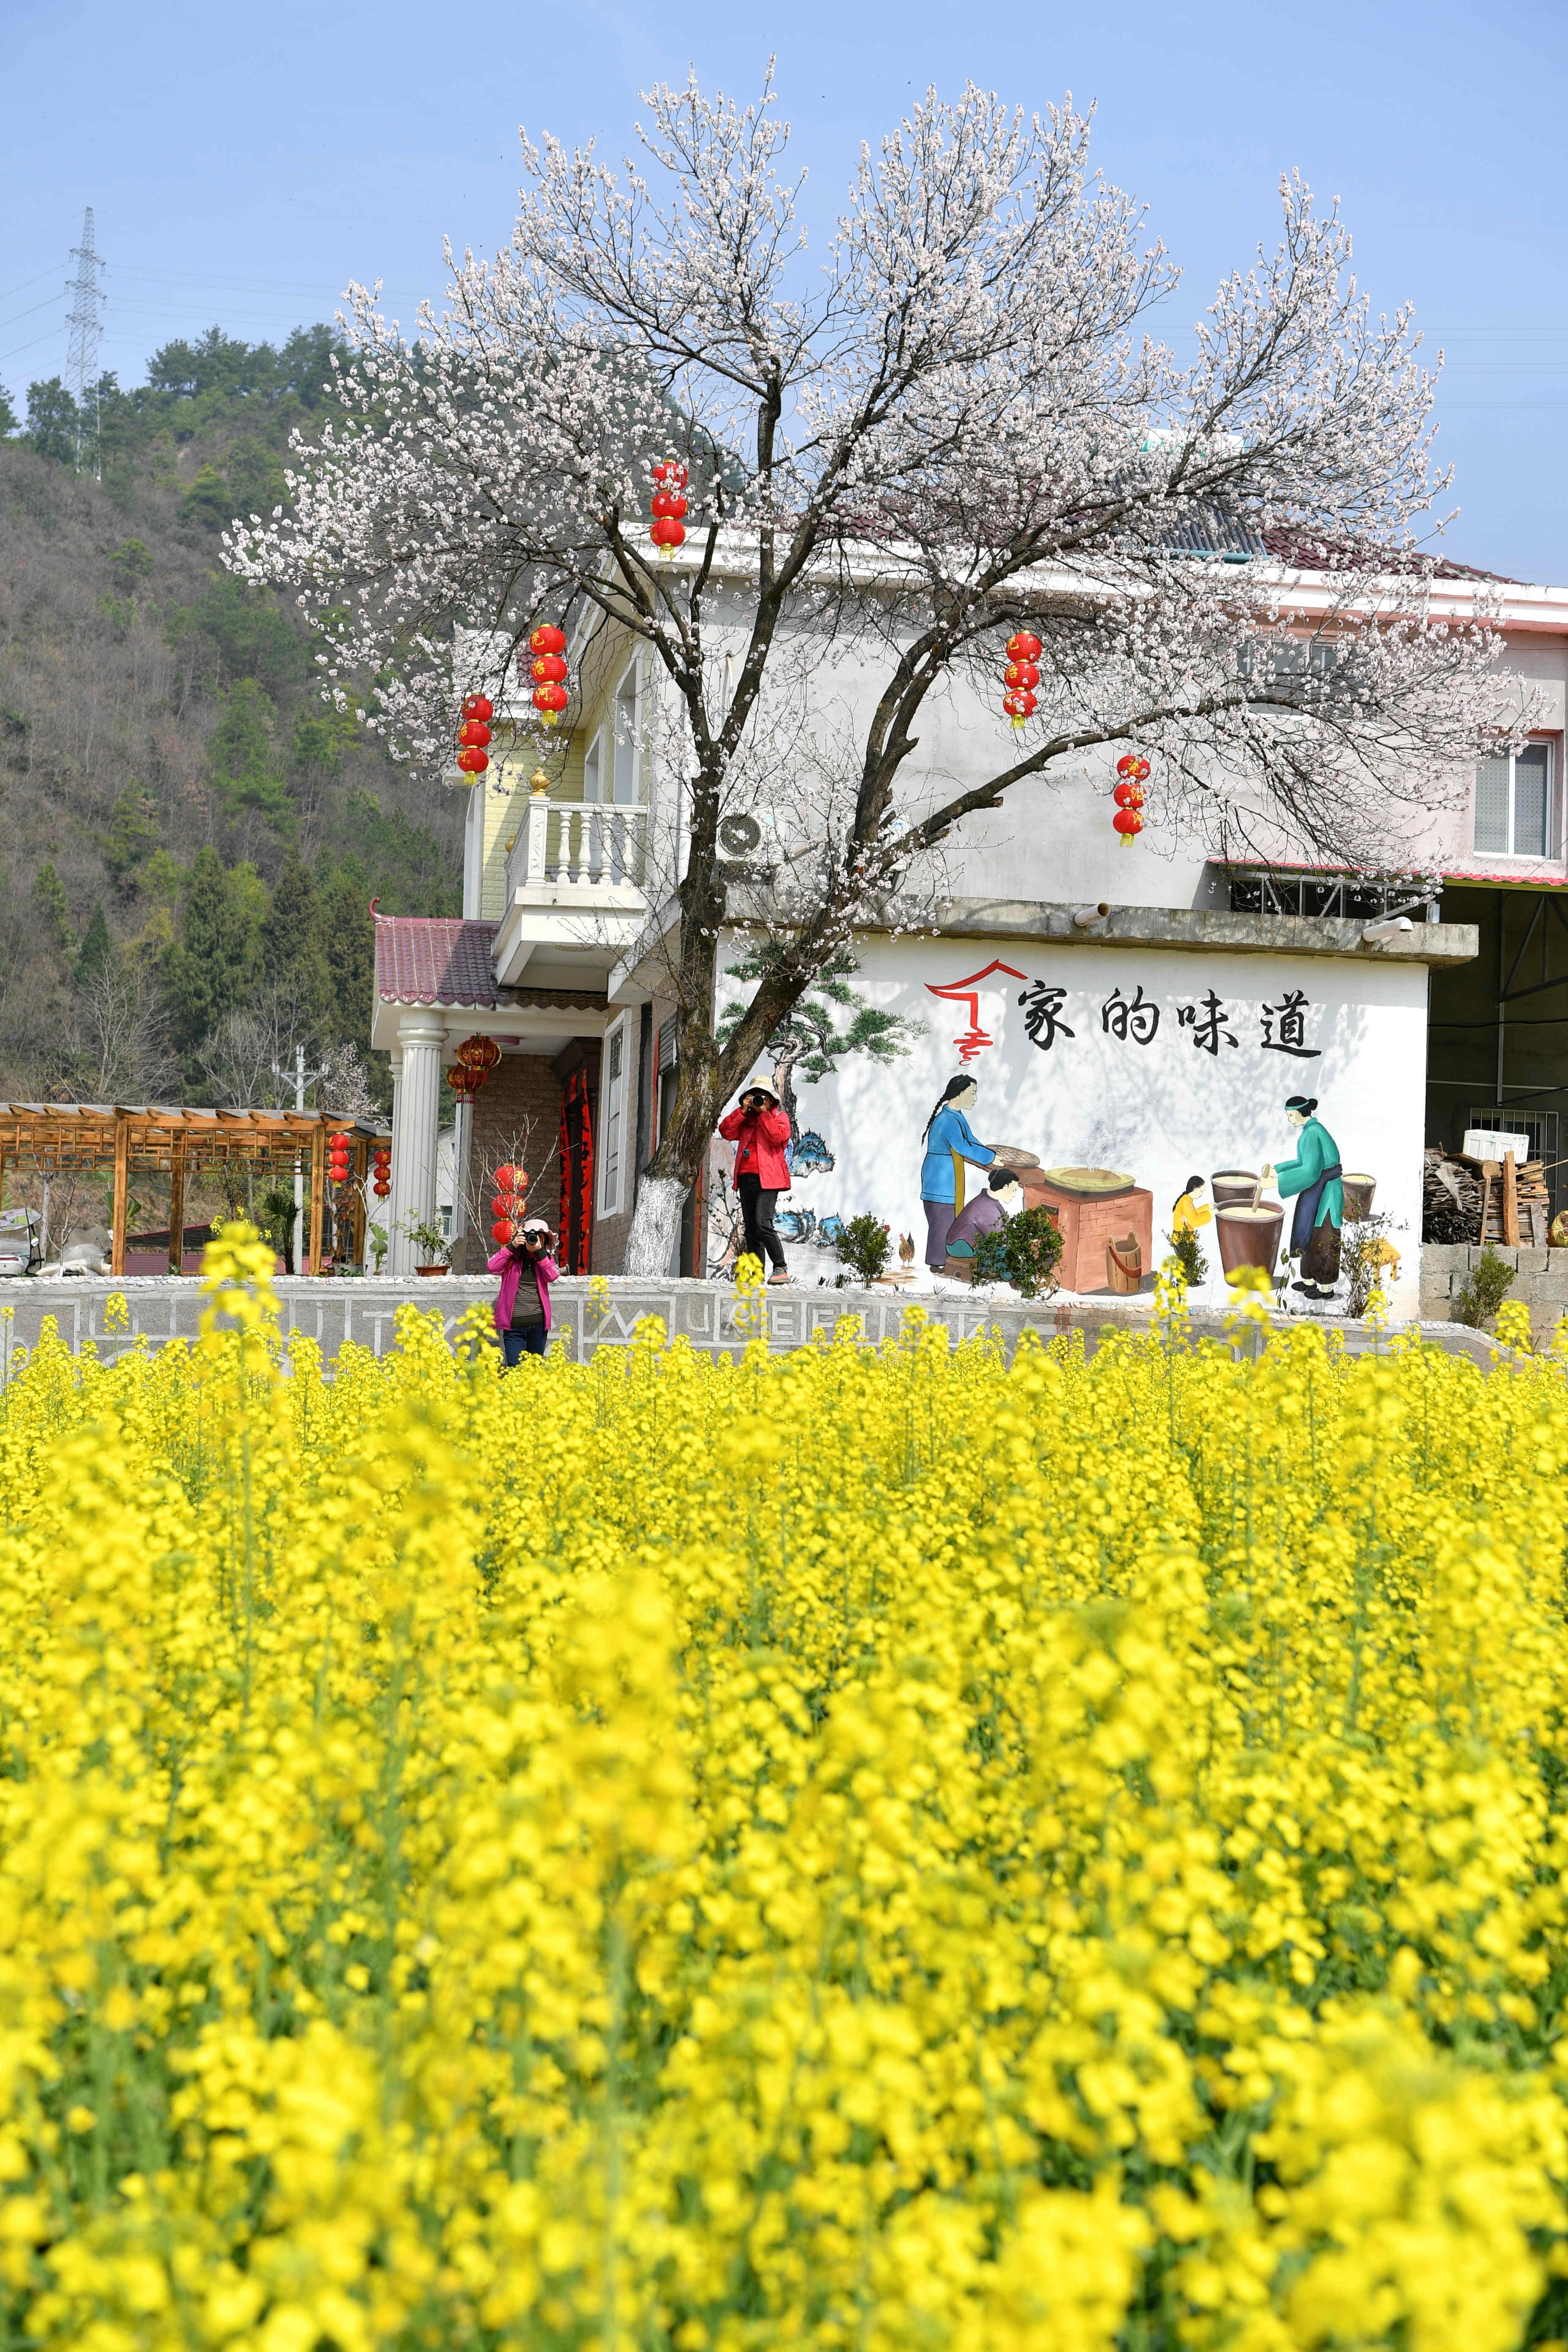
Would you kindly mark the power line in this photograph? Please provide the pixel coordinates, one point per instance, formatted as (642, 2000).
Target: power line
(86, 328)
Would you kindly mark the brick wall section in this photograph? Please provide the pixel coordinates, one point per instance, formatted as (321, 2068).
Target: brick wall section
(524, 1093)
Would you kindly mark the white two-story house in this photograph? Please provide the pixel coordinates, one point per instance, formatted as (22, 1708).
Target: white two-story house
(1142, 1011)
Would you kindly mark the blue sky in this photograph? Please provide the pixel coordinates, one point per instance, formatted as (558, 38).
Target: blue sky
(244, 161)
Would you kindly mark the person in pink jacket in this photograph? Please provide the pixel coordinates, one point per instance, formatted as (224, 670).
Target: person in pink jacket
(758, 1131)
(523, 1305)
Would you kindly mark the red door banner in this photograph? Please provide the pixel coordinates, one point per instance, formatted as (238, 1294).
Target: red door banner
(577, 1222)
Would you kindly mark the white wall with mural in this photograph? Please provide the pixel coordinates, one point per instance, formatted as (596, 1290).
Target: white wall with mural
(1120, 1073)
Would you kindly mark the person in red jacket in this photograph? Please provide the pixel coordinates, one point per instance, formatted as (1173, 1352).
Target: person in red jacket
(758, 1131)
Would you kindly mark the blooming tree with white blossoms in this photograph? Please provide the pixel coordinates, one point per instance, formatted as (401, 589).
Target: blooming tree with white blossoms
(956, 428)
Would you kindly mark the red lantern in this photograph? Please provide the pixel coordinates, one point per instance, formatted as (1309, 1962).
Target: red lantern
(503, 1179)
(382, 1191)
(1024, 674)
(472, 763)
(474, 732)
(502, 1230)
(479, 707)
(550, 701)
(547, 639)
(1128, 823)
(673, 472)
(547, 669)
(1134, 768)
(1018, 706)
(1127, 797)
(668, 503)
(1023, 646)
(668, 535)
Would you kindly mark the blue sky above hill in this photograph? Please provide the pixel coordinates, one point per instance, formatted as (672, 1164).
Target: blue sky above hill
(244, 166)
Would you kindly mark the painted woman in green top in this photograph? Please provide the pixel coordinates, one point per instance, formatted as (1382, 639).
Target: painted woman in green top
(1313, 1179)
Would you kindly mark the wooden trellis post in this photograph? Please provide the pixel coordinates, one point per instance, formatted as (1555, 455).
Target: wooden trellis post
(122, 1189)
(177, 1205)
(318, 1191)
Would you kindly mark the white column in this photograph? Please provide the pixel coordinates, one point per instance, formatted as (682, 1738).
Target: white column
(416, 1120)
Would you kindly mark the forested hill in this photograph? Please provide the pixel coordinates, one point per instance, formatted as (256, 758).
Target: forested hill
(188, 837)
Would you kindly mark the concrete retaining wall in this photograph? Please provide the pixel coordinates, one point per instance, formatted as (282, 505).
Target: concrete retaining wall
(1541, 1279)
(365, 1312)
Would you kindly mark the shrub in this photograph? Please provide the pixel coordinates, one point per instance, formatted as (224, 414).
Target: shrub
(865, 1245)
(1362, 1250)
(1184, 1249)
(1482, 1293)
(1024, 1251)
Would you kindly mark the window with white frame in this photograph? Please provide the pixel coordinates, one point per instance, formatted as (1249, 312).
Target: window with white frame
(593, 769)
(628, 761)
(1514, 812)
(613, 1120)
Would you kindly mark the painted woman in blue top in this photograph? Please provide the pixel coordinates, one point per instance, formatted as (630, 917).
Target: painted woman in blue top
(1313, 1180)
(949, 1141)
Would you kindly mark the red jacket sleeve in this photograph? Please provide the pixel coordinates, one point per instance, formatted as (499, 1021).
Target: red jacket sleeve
(731, 1125)
(546, 1268)
(774, 1125)
(501, 1260)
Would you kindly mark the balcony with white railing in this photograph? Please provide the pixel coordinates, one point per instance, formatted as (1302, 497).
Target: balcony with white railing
(575, 877)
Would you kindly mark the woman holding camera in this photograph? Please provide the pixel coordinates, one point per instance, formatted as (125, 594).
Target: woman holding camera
(759, 1129)
(526, 1269)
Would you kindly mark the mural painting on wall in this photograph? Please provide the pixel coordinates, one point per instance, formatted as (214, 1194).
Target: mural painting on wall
(1044, 1061)
(831, 1021)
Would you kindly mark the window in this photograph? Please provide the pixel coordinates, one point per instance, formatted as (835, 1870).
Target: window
(628, 761)
(593, 769)
(612, 1120)
(1513, 803)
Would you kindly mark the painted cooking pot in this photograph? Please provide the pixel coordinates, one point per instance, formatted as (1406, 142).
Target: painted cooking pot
(1358, 1191)
(1234, 1187)
(1249, 1237)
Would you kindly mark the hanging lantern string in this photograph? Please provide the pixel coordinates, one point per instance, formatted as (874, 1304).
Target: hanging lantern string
(1133, 770)
(1021, 677)
(548, 669)
(667, 506)
(474, 734)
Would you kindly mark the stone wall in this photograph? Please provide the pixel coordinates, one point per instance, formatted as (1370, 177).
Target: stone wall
(365, 1311)
(1541, 1279)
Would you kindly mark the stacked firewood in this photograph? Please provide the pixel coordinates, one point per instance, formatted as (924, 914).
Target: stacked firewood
(1483, 1201)
(1450, 1199)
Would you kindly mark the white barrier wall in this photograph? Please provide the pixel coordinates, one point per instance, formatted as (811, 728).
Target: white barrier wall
(1160, 1064)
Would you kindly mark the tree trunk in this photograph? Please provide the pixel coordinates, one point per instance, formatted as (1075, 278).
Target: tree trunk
(656, 1221)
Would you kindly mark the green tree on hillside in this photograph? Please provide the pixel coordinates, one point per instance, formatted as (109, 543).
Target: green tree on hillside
(97, 952)
(209, 501)
(212, 959)
(252, 635)
(53, 421)
(288, 945)
(243, 769)
(9, 420)
(132, 832)
(348, 937)
(53, 906)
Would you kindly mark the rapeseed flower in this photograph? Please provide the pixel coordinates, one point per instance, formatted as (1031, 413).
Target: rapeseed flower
(872, 1848)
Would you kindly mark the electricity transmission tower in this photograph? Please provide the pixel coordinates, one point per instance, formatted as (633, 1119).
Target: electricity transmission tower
(82, 357)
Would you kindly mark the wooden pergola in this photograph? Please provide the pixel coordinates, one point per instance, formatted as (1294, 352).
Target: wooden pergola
(153, 1139)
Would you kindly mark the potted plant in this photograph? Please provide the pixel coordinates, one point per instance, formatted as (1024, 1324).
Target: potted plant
(434, 1248)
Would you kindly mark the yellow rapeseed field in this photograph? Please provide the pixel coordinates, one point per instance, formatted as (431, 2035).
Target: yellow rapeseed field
(859, 1849)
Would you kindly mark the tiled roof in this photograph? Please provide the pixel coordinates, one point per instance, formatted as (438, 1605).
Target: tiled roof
(434, 960)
